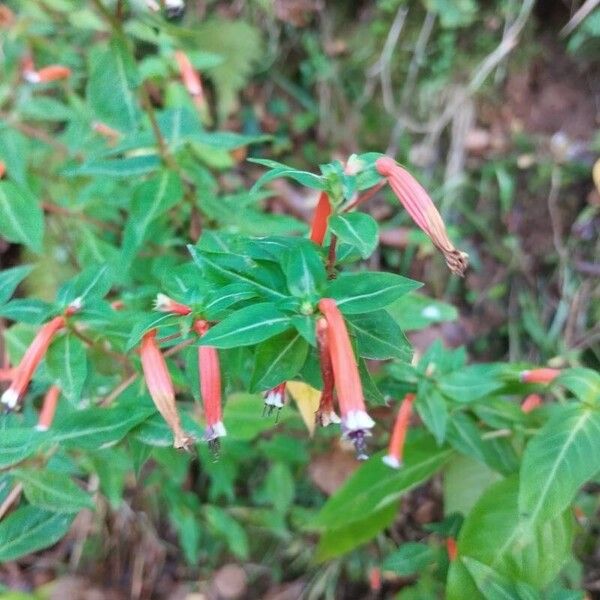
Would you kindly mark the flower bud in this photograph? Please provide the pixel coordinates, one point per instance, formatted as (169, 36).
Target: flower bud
(421, 208)
(160, 386)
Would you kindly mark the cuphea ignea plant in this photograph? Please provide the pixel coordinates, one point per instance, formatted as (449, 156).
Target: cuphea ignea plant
(275, 313)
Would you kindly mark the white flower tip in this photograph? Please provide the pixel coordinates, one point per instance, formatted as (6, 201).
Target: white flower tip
(41, 427)
(327, 418)
(391, 461)
(274, 399)
(212, 432)
(523, 375)
(10, 398)
(162, 303)
(31, 76)
(182, 441)
(76, 305)
(356, 420)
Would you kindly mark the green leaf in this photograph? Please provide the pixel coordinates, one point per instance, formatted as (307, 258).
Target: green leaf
(464, 435)
(243, 415)
(410, 558)
(415, 311)
(54, 491)
(378, 336)
(68, 366)
(10, 279)
(118, 167)
(228, 140)
(278, 359)
(279, 487)
(240, 45)
(471, 383)
(18, 444)
(29, 529)
(21, 218)
(155, 431)
(247, 326)
(304, 271)
(465, 480)
(433, 411)
(43, 108)
(583, 383)
(365, 292)
(94, 428)
(358, 229)
(494, 535)
(214, 264)
(227, 296)
(490, 583)
(375, 486)
(151, 199)
(453, 13)
(148, 322)
(335, 542)
(91, 284)
(303, 177)
(558, 461)
(228, 528)
(26, 310)
(15, 152)
(110, 88)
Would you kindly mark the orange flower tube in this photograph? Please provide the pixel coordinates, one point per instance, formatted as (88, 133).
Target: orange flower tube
(396, 448)
(190, 78)
(48, 74)
(2, 169)
(355, 420)
(163, 303)
(451, 548)
(531, 402)
(421, 208)
(160, 386)
(325, 414)
(321, 215)
(209, 368)
(48, 408)
(107, 132)
(30, 361)
(543, 375)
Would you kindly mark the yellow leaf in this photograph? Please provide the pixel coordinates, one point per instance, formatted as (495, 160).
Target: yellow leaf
(307, 398)
(596, 174)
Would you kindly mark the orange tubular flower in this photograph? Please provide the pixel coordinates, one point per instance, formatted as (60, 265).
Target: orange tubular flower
(209, 368)
(189, 76)
(48, 408)
(318, 228)
(421, 208)
(531, 403)
(48, 74)
(325, 414)
(543, 375)
(30, 361)
(355, 420)
(160, 387)
(2, 169)
(163, 303)
(396, 449)
(110, 134)
(451, 548)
